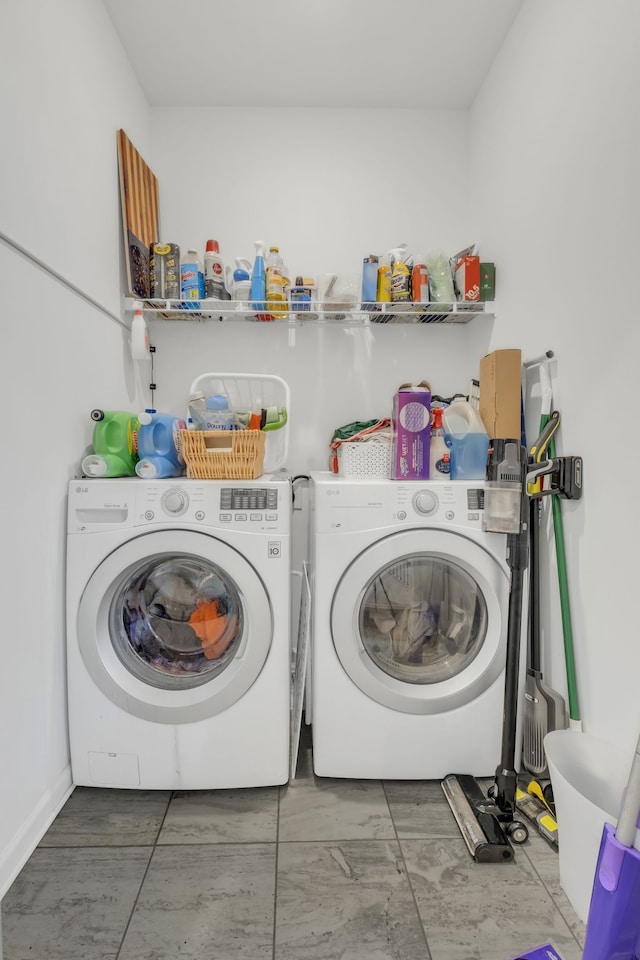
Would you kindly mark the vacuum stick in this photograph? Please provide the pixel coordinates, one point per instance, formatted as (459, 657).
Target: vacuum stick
(487, 823)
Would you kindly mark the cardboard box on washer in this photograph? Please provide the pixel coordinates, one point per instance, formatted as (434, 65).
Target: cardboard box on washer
(501, 394)
(411, 422)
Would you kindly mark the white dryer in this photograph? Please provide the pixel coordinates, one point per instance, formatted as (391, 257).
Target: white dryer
(178, 632)
(410, 605)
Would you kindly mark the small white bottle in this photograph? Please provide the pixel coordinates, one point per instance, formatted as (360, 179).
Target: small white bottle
(439, 454)
(140, 349)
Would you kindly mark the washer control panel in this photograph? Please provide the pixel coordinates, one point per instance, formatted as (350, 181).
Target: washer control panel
(248, 498)
(98, 505)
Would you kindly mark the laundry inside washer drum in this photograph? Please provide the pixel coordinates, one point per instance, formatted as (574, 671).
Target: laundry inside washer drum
(177, 615)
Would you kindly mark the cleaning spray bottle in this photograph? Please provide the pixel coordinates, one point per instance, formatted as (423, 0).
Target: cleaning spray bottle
(159, 445)
(115, 443)
(383, 288)
(259, 280)
(400, 275)
(439, 456)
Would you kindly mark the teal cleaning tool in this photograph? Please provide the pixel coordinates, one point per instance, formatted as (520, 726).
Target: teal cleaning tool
(575, 722)
(544, 709)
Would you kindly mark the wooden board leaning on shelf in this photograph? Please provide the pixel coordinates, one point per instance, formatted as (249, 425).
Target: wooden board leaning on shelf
(140, 203)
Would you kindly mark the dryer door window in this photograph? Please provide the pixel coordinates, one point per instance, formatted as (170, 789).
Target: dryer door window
(419, 620)
(422, 619)
(176, 622)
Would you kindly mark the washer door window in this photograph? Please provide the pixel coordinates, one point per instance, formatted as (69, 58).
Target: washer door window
(175, 621)
(174, 626)
(419, 621)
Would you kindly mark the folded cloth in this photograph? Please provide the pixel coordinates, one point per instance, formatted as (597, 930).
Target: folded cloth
(215, 628)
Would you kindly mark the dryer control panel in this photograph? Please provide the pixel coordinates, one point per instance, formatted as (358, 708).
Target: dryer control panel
(350, 505)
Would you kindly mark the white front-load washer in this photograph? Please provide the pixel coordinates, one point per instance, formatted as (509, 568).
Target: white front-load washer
(410, 606)
(178, 632)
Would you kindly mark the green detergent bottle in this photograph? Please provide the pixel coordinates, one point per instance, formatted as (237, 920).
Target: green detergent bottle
(115, 445)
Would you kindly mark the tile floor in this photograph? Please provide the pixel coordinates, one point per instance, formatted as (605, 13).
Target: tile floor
(316, 870)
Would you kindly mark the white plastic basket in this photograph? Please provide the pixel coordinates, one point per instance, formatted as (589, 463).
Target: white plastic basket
(251, 392)
(365, 459)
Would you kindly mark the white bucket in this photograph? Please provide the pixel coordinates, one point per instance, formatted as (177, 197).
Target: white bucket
(588, 777)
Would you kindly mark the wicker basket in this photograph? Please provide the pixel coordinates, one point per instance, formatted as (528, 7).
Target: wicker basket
(223, 454)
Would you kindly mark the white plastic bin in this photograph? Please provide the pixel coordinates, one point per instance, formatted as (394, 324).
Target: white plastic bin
(588, 777)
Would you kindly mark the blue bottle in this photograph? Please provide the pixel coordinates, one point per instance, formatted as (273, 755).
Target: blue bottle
(259, 279)
(158, 446)
(468, 440)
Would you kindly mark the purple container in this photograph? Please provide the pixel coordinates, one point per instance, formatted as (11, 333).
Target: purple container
(613, 927)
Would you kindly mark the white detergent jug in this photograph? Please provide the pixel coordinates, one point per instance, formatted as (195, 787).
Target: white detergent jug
(239, 280)
(467, 438)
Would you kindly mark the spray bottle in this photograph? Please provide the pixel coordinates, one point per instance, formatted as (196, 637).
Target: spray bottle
(439, 456)
(258, 278)
(400, 276)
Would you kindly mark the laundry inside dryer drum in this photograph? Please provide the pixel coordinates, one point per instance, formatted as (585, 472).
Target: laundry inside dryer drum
(176, 621)
(422, 619)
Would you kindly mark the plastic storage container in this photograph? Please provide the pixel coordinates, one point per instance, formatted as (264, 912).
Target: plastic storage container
(252, 392)
(468, 440)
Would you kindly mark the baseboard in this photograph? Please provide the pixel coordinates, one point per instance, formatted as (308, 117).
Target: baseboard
(14, 857)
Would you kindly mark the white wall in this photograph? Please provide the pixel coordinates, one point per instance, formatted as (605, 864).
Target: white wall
(318, 184)
(555, 143)
(553, 154)
(65, 89)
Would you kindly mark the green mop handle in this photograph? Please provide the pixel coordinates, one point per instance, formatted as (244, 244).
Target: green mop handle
(565, 607)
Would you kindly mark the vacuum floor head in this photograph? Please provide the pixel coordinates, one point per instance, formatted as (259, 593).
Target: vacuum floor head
(481, 831)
